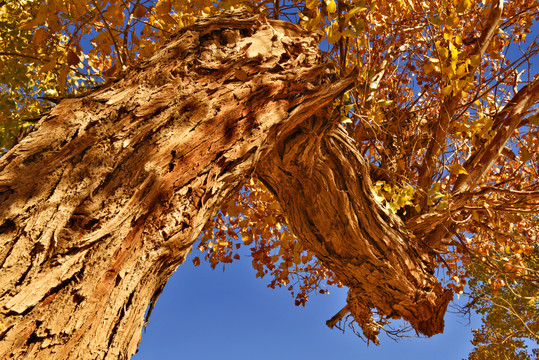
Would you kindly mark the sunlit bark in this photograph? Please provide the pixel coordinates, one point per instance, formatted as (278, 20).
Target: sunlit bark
(104, 200)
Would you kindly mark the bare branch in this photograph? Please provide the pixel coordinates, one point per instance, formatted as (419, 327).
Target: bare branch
(490, 29)
(15, 54)
(338, 316)
(109, 30)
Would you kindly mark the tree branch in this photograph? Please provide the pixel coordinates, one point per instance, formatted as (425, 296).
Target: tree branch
(109, 30)
(338, 316)
(490, 29)
(437, 144)
(505, 123)
(15, 54)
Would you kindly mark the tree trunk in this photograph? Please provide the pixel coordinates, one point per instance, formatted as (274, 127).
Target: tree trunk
(102, 203)
(104, 200)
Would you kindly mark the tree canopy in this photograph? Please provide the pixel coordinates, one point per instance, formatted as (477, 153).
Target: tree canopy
(445, 113)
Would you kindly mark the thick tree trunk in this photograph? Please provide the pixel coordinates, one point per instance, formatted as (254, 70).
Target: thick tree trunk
(103, 201)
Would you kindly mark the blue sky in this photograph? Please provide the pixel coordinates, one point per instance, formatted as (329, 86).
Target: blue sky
(205, 314)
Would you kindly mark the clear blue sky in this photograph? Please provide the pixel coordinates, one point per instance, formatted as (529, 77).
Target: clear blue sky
(204, 314)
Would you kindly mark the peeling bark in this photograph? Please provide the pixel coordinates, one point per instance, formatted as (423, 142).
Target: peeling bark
(104, 200)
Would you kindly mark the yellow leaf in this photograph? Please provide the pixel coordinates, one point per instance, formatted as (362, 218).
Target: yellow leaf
(462, 70)
(442, 205)
(349, 33)
(359, 26)
(333, 35)
(447, 90)
(454, 51)
(168, 19)
(428, 68)
(331, 6)
(457, 169)
(196, 261)
(464, 5)
(436, 21)
(437, 196)
(452, 21)
(356, 9)
(475, 60)
(444, 53)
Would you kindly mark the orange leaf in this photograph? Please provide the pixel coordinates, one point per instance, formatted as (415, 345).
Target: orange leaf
(139, 11)
(163, 7)
(72, 58)
(62, 76)
(40, 35)
(48, 66)
(311, 4)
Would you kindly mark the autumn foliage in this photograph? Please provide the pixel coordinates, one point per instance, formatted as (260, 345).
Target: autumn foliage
(445, 112)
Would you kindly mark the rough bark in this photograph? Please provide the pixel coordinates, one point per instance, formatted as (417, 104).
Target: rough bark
(322, 181)
(103, 201)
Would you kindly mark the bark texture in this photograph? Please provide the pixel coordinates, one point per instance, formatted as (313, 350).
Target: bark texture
(101, 204)
(322, 181)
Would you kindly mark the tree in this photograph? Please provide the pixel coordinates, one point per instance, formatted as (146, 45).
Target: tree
(508, 305)
(382, 176)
